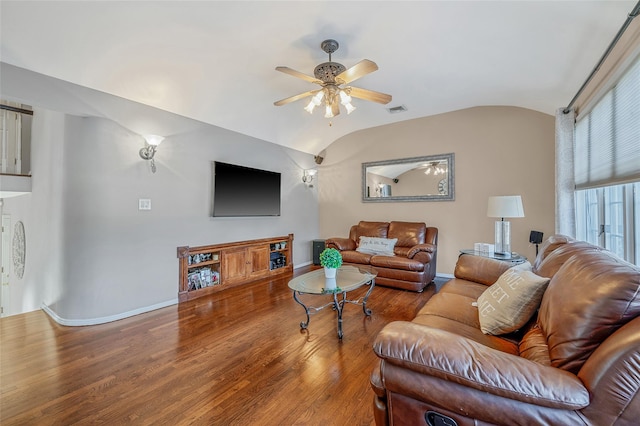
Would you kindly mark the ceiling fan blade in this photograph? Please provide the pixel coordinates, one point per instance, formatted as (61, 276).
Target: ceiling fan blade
(360, 69)
(295, 97)
(370, 95)
(298, 74)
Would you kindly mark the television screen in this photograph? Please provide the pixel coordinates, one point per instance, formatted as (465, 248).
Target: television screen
(243, 191)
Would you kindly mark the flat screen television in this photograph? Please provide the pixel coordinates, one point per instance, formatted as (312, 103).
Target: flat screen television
(243, 191)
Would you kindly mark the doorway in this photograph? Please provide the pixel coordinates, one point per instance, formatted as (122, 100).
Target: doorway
(6, 262)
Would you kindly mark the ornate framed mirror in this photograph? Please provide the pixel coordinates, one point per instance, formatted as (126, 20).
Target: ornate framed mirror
(429, 178)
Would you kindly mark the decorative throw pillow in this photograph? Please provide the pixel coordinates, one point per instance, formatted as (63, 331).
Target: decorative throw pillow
(375, 245)
(509, 303)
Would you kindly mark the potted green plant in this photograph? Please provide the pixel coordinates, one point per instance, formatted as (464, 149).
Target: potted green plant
(331, 259)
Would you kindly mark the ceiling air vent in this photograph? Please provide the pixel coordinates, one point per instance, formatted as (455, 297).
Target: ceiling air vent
(397, 109)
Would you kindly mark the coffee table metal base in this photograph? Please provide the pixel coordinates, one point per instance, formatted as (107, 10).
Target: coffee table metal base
(337, 303)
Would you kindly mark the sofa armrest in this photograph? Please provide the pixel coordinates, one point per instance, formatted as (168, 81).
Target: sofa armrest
(340, 243)
(612, 375)
(450, 357)
(380, 412)
(427, 248)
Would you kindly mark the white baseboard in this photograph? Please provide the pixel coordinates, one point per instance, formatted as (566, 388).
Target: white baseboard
(103, 320)
(111, 318)
(447, 276)
(302, 264)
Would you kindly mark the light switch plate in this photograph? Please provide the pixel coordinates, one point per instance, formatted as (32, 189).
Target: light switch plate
(144, 204)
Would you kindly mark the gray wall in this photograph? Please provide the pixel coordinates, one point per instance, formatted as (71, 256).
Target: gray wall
(91, 254)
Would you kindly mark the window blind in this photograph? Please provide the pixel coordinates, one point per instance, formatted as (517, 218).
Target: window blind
(607, 139)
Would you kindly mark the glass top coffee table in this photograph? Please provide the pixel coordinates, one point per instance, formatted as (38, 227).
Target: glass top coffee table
(513, 258)
(348, 278)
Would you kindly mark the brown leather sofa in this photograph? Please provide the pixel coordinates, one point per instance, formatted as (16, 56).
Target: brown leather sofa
(577, 362)
(413, 265)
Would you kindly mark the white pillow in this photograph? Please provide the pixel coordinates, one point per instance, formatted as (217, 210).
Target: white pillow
(510, 302)
(375, 245)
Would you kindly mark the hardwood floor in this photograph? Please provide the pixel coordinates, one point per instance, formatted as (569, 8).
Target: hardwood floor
(237, 357)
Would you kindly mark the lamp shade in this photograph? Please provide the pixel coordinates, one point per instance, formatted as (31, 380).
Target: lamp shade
(505, 206)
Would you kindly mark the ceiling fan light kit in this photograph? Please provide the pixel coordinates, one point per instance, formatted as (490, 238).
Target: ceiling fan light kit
(334, 79)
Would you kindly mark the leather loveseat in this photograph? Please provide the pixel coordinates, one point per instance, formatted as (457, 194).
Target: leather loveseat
(576, 362)
(411, 265)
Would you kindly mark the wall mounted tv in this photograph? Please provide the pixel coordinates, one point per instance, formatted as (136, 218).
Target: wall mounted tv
(243, 191)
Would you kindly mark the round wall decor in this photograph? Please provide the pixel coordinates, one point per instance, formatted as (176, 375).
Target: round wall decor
(19, 249)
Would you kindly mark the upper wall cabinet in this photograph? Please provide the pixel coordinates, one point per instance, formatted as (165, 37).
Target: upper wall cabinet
(429, 178)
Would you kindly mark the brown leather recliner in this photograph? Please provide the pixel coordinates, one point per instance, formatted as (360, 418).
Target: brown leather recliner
(413, 265)
(577, 362)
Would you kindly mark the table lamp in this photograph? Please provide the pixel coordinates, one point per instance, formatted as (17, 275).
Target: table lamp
(504, 206)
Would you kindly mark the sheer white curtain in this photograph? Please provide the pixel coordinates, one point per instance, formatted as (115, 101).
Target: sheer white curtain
(609, 72)
(565, 181)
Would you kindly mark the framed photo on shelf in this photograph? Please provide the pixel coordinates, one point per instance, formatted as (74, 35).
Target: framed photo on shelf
(195, 283)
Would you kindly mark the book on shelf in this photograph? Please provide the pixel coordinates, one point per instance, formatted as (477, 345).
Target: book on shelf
(205, 277)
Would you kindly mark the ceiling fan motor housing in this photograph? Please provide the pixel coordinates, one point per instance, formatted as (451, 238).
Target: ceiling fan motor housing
(327, 71)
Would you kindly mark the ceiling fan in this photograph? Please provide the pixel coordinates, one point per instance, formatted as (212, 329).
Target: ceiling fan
(334, 79)
(435, 167)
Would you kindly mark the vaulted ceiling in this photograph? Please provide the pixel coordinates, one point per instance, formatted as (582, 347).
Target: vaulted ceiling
(214, 61)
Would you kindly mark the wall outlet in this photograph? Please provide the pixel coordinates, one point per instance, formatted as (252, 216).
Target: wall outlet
(144, 204)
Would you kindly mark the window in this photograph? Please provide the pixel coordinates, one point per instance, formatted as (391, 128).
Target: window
(607, 169)
(610, 217)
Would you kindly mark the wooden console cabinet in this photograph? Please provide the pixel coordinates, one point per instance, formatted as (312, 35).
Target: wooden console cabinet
(207, 269)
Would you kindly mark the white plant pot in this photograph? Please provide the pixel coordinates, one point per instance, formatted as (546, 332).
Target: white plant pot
(330, 272)
(330, 284)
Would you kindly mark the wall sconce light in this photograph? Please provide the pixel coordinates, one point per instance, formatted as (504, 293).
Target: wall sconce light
(147, 153)
(504, 206)
(307, 177)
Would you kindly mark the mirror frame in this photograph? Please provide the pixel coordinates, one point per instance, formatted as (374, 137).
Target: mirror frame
(449, 196)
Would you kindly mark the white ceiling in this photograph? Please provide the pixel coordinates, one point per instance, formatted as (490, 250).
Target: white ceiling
(215, 61)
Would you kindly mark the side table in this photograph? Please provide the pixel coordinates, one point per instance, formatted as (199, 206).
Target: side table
(514, 259)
